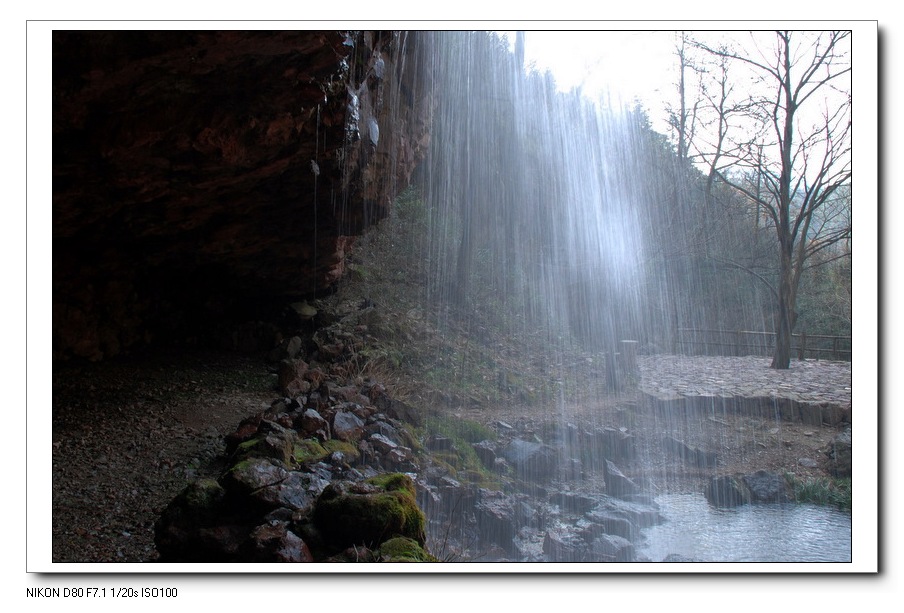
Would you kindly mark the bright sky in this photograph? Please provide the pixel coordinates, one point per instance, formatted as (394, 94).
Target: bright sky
(627, 65)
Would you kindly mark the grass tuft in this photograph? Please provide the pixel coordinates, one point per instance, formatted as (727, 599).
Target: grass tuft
(826, 491)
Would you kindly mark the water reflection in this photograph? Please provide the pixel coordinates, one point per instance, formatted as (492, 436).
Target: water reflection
(695, 531)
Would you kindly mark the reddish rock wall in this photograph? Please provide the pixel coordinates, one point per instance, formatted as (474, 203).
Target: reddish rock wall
(199, 176)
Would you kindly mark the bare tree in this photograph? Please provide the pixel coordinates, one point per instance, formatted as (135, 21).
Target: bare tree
(683, 120)
(800, 160)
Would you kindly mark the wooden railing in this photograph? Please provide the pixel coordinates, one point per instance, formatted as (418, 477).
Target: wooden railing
(745, 342)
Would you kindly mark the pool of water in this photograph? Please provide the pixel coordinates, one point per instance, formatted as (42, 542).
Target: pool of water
(697, 531)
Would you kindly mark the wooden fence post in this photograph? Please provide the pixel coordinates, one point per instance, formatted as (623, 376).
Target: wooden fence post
(629, 357)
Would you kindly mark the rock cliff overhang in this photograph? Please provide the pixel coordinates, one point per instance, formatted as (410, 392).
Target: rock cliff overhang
(198, 175)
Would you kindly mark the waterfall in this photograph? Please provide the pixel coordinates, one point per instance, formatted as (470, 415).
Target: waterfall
(533, 195)
(568, 223)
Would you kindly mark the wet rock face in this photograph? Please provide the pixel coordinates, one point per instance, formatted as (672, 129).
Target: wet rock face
(197, 174)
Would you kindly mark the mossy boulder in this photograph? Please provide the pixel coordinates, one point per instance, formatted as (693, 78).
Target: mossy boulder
(201, 500)
(198, 526)
(370, 512)
(402, 549)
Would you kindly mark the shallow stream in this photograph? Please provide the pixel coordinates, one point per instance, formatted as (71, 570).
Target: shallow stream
(697, 531)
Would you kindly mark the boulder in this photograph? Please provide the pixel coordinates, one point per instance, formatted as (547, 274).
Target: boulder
(496, 519)
(199, 525)
(253, 474)
(274, 542)
(759, 487)
(382, 444)
(563, 545)
(287, 349)
(378, 426)
(312, 423)
(532, 460)
(617, 483)
(726, 491)
(608, 522)
(571, 502)
(297, 492)
(610, 548)
(765, 486)
(347, 426)
(486, 452)
(291, 379)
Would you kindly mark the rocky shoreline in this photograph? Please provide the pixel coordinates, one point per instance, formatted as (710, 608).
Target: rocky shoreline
(561, 494)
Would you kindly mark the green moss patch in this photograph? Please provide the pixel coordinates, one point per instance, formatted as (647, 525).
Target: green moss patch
(461, 457)
(394, 482)
(349, 450)
(459, 430)
(401, 549)
(309, 450)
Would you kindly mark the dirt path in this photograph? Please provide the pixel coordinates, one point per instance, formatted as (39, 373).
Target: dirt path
(127, 436)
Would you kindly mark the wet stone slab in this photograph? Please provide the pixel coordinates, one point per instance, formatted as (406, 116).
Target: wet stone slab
(810, 391)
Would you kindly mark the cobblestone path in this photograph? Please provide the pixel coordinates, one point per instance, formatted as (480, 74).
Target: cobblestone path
(808, 381)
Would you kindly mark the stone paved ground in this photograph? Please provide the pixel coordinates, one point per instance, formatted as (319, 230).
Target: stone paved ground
(808, 381)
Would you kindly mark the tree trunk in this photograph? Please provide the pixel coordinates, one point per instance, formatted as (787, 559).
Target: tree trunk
(785, 316)
(781, 359)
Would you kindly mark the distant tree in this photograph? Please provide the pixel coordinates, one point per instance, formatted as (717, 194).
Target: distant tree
(826, 292)
(799, 161)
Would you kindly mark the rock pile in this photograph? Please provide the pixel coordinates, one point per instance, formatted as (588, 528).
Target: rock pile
(291, 493)
(337, 470)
